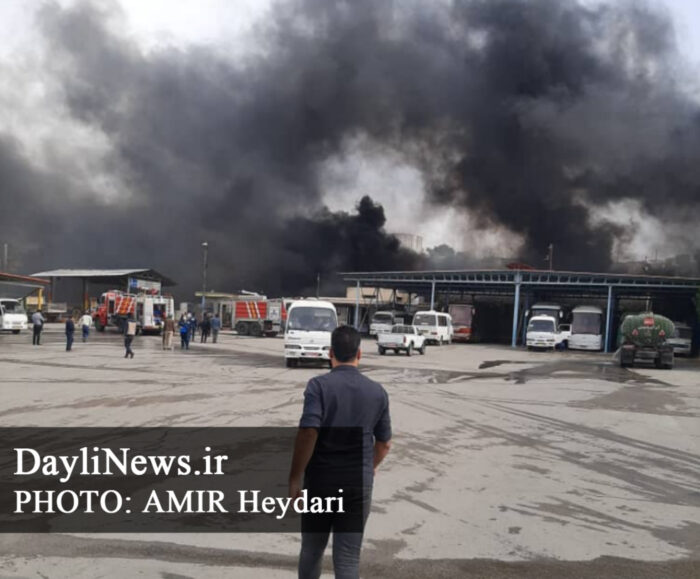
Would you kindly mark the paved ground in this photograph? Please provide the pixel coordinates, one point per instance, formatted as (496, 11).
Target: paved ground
(505, 463)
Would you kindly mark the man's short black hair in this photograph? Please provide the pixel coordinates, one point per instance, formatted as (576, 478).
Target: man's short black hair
(345, 343)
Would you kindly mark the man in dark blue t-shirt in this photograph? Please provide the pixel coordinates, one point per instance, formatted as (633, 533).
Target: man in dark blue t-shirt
(343, 398)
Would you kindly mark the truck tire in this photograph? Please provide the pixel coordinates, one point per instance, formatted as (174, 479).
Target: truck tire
(409, 350)
(255, 330)
(15, 332)
(382, 351)
(242, 329)
(98, 325)
(422, 349)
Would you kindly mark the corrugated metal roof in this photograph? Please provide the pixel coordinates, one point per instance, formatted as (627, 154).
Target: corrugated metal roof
(89, 272)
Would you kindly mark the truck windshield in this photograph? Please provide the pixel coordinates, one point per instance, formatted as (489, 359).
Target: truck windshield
(12, 307)
(551, 312)
(383, 318)
(311, 319)
(425, 320)
(541, 326)
(586, 323)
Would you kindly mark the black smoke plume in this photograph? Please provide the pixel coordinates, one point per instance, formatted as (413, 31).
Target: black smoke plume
(532, 115)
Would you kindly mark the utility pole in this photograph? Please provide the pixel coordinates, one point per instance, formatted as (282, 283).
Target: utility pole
(550, 256)
(205, 250)
(5, 266)
(318, 285)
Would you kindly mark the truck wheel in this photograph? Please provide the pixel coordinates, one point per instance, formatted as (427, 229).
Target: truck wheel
(255, 330)
(422, 349)
(382, 351)
(15, 332)
(98, 325)
(242, 329)
(409, 350)
(396, 351)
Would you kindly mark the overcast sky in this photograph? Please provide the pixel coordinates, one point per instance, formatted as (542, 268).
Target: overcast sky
(229, 25)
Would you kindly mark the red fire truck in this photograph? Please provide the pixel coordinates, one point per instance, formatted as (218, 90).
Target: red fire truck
(149, 310)
(258, 317)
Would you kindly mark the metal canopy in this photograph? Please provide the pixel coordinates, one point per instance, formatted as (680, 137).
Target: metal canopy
(512, 281)
(504, 281)
(108, 276)
(19, 286)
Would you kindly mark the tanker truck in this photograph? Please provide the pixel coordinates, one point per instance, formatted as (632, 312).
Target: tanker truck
(645, 339)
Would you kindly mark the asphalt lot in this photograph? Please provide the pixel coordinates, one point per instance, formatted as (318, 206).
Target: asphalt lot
(505, 463)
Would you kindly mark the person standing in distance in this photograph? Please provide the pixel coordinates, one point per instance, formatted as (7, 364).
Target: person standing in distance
(85, 324)
(37, 325)
(129, 333)
(70, 332)
(215, 327)
(341, 398)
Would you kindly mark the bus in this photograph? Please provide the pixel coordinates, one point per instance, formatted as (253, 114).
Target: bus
(586, 328)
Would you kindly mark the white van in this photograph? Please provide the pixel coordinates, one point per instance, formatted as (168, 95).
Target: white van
(307, 333)
(435, 326)
(542, 333)
(13, 318)
(586, 328)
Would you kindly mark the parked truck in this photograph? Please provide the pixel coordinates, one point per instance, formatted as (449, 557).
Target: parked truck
(401, 339)
(148, 310)
(383, 321)
(462, 317)
(258, 317)
(645, 338)
(13, 318)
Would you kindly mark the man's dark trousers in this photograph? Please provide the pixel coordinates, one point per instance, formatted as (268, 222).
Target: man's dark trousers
(347, 547)
(36, 335)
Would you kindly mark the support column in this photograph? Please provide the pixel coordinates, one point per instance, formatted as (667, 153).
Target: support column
(516, 311)
(357, 306)
(608, 318)
(86, 297)
(432, 295)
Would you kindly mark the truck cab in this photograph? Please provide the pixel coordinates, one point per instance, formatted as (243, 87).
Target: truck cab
(308, 331)
(682, 339)
(13, 318)
(542, 333)
(382, 322)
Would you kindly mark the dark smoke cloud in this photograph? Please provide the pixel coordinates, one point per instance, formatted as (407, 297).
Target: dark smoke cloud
(527, 114)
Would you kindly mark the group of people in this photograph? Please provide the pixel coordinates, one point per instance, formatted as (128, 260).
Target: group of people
(188, 324)
(84, 323)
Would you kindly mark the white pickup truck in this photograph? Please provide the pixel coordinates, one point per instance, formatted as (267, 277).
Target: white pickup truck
(401, 337)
